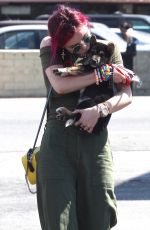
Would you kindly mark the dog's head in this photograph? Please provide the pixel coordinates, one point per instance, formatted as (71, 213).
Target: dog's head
(99, 53)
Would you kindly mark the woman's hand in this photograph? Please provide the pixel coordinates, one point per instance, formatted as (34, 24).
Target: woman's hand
(89, 118)
(119, 77)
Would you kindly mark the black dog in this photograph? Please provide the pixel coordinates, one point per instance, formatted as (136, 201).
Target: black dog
(98, 55)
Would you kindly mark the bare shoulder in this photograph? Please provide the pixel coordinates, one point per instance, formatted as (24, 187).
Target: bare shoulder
(46, 41)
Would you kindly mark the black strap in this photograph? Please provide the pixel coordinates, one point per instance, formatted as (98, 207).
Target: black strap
(42, 118)
(30, 153)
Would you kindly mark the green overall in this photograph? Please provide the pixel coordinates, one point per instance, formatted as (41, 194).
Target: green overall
(75, 184)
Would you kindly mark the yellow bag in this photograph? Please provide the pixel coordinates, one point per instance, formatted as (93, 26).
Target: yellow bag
(29, 161)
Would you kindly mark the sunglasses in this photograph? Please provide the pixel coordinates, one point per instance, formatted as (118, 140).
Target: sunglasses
(86, 39)
(125, 27)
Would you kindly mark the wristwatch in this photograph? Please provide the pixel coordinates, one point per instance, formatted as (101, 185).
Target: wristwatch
(103, 109)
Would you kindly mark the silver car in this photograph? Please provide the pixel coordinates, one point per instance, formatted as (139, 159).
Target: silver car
(22, 36)
(29, 36)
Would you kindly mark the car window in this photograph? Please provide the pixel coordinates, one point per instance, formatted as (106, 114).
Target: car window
(42, 34)
(1, 41)
(109, 21)
(139, 24)
(19, 40)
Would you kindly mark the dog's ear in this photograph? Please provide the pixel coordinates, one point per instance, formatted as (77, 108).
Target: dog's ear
(110, 48)
(93, 40)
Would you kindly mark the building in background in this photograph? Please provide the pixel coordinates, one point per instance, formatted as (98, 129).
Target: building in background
(30, 9)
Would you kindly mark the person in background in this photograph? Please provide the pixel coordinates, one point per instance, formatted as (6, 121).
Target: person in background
(126, 34)
(75, 182)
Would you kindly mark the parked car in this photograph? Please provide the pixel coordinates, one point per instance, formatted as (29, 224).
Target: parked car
(142, 39)
(139, 21)
(30, 36)
(42, 17)
(21, 22)
(22, 36)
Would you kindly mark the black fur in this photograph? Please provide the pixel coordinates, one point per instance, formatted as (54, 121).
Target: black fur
(98, 55)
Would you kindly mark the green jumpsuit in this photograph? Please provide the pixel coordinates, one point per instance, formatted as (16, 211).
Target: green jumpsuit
(75, 184)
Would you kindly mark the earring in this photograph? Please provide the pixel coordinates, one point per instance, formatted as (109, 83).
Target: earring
(63, 54)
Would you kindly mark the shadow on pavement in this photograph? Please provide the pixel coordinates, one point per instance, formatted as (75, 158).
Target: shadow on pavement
(137, 188)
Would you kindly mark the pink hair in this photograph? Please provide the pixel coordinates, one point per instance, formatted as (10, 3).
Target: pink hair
(62, 25)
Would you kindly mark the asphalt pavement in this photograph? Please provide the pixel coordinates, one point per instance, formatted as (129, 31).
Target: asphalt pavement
(129, 132)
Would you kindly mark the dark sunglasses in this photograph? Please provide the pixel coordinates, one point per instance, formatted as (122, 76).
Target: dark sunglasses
(126, 27)
(86, 39)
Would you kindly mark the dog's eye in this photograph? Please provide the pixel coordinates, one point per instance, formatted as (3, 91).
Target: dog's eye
(93, 50)
(102, 53)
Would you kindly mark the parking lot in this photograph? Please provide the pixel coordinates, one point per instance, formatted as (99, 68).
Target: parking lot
(129, 134)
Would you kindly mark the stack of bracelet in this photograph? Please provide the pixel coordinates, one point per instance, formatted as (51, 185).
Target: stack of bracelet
(103, 73)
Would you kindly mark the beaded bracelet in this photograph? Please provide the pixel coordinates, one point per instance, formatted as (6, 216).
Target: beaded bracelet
(106, 72)
(96, 77)
(103, 73)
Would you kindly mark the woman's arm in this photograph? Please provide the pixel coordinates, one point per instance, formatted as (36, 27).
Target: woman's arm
(123, 96)
(90, 116)
(63, 85)
(121, 99)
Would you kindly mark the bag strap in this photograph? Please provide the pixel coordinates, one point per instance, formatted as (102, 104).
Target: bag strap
(42, 118)
(30, 152)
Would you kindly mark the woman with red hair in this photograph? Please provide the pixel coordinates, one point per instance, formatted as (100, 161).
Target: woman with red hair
(75, 184)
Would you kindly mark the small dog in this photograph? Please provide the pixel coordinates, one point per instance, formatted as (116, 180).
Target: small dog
(99, 55)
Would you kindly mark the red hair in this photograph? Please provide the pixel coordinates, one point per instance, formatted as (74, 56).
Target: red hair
(62, 25)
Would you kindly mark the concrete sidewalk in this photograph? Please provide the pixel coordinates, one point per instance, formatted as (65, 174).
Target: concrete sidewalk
(129, 134)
